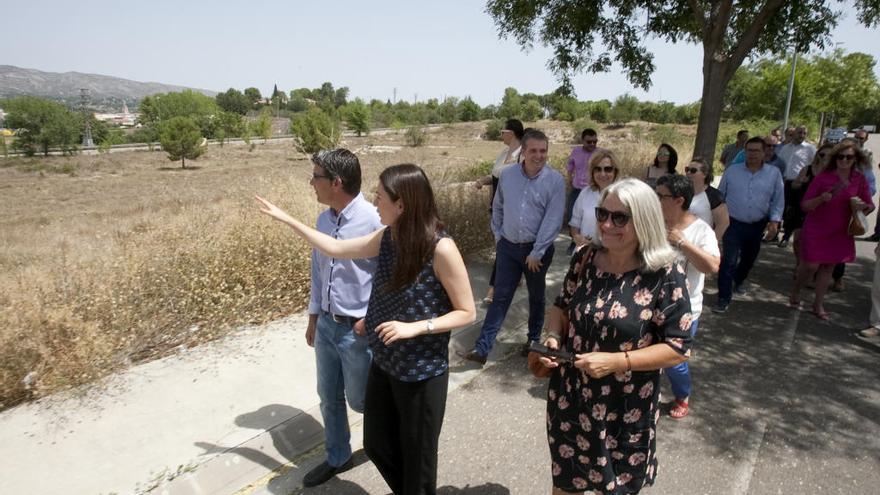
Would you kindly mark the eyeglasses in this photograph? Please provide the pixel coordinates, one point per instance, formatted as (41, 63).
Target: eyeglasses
(607, 169)
(661, 195)
(663, 153)
(319, 176)
(618, 218)
(691, 170)
(849, 158)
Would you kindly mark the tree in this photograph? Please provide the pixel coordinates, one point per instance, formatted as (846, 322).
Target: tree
(314, 130)
(181, 139)
(532, 111)
(511, 104)
(728, 32)
(834, 82)
(156, 109)
(234, 101)
(41, 124)
(625, 109)
(253, 95)
(228, 125)
(358, 117)
(468, 110)
(262, 127)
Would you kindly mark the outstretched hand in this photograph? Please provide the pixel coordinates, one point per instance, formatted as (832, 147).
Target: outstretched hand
(270, 209)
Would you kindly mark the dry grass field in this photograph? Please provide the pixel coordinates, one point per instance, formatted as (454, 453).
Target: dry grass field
(112, 259)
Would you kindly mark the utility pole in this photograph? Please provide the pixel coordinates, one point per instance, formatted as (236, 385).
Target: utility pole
(84, 100)
(790, 90)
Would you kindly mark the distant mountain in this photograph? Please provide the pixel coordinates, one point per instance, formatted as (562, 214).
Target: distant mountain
(106, 91)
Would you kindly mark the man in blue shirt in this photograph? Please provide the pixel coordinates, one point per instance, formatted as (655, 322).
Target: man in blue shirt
(754, 194)
(339, 295)
(526, 216)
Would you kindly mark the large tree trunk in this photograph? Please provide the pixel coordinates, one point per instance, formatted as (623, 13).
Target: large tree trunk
(714, 85)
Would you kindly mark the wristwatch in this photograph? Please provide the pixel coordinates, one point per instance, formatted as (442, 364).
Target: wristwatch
(430, 326)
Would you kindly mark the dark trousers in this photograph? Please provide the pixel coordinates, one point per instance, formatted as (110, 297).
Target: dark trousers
(569, 204)
(402, 422)
(510, 262)
(740, 247)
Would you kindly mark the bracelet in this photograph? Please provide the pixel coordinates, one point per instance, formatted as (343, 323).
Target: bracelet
(679, 243)
(629, 366)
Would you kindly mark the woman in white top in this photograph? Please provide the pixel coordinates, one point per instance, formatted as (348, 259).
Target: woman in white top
(664, 163)
(603, 172)
(708, 204)
(511, 135)
(698, 253)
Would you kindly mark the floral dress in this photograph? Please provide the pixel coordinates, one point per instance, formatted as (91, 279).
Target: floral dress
(601, 431)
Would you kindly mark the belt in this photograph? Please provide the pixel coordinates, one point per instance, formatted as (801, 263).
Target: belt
(341, 319)
(520, 244)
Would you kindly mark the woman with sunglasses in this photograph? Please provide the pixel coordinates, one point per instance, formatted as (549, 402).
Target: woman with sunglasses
(825, 240)
(664, 163)
(420, 293)
(708, 203)
(793, 217)
(603, 172)
(624, 313)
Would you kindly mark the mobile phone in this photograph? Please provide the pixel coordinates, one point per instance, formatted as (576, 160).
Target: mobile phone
(563, 356)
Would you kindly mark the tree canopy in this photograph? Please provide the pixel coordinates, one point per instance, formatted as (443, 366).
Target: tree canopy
(591, 35)
(181, 139)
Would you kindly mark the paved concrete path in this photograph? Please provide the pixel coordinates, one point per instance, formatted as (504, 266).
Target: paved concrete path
(783, 404)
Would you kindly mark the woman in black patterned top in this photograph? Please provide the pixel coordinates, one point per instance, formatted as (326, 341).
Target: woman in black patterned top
(420, 293)
(624, 312)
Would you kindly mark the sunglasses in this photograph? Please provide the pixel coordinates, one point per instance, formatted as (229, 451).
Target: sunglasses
(846, 157)
(607, 169)
(591, 141)
(691, 170)
(618, 218)
(662, 153)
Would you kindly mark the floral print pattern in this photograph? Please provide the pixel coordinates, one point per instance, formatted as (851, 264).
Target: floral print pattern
(602, 431)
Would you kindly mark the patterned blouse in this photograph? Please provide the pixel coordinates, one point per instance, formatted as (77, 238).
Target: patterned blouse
(421, 357)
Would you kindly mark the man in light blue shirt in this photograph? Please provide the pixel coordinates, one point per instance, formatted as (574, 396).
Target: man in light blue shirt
(754, 194)
(340, 292)
(526, 217)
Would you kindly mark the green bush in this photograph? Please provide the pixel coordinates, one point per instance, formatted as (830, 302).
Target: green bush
(493, 130)
(314, 131)
(564, 116)
(578, 126)
(181, 138)
(416, 136)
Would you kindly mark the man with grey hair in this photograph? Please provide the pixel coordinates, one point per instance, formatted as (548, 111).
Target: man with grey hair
(340, 290)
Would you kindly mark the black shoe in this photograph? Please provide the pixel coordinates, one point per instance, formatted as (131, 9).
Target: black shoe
(741, 289)
(472, 355)
(720, 307)
(872, 238)
(524, 350)
(323, 472)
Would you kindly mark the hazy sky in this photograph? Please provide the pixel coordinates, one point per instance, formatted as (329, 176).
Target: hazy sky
(429, 49)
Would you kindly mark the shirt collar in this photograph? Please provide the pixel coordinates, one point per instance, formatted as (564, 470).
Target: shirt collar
(347, 212)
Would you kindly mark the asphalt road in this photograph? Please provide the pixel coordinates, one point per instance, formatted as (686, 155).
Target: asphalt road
(783, 403)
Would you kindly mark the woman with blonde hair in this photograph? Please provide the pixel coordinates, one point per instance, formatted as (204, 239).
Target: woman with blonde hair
(624, 313)
(603, 172)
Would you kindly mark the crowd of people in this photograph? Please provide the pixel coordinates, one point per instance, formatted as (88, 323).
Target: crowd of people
(389, 285)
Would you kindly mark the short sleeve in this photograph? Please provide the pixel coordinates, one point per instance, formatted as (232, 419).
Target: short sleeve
(570, 282)
(672, 314)
(865, 191)
(714, 197)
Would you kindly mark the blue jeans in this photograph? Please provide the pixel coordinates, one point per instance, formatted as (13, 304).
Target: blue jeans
(740, 247)
(343, 360)
(680, 374)
(510, 264)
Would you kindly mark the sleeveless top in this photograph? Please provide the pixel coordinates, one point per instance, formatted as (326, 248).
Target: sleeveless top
(421, 357)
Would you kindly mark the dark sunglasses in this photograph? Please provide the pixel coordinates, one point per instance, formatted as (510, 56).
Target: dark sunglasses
(618, 218)
(691, 170)
(846, 157)
(608, 170)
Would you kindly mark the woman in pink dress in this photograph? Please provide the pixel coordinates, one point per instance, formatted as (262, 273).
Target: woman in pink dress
(824, 238)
